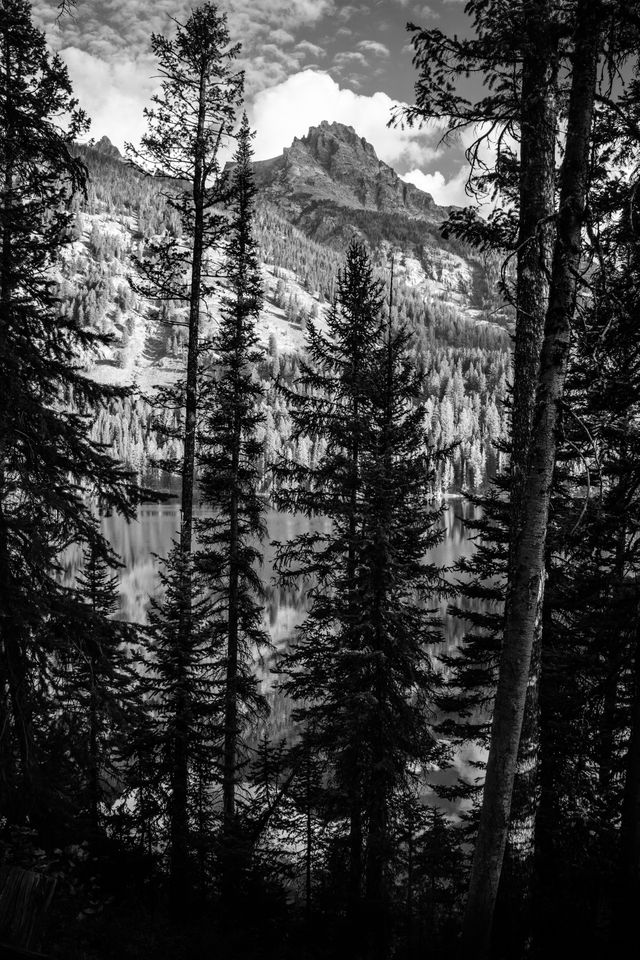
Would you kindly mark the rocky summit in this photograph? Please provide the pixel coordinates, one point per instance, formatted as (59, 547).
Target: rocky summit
(104, 146)
(333, 166)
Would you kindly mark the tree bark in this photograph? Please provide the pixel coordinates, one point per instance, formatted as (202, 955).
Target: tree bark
(527, 567)
(355, 792)
(7, 628)
(538, 126)
(230, 756)
(613, 645)
(93, 775)
(630, 822)
(180, 778)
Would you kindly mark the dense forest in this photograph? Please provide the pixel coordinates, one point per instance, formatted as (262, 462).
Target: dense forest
(465, 363)
(159, 317)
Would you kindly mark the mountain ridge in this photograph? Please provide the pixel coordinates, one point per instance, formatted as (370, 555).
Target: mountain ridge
(333, 164)
(124, 210)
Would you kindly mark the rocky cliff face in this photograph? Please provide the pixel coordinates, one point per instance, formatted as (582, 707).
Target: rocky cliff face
(331, 185)
(333, 165)
(104, 146)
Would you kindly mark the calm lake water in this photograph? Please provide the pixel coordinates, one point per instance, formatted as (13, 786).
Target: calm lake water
(142, 543)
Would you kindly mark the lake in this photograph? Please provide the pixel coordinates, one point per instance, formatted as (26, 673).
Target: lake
(143, 542)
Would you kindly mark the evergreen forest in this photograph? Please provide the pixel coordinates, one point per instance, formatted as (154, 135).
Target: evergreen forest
(184, 328)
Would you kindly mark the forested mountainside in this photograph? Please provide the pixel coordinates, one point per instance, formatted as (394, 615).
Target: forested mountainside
(342, 718)
(459, 329)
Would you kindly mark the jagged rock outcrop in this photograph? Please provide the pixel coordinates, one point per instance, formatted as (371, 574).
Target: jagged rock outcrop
(332, 164)
(104, 145)
(331, 185)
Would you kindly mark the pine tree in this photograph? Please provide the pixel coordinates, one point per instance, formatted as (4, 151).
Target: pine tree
(330, 401)
(523, 99)
(589, 715)
(182, 688)
(95, 684)
(395, 584)
(193, 115)
(229, 461)
(48, 464)
(359, 670)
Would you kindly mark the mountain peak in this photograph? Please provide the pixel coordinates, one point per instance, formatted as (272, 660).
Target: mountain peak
(332, 164)
(331, 137)
(104, 145)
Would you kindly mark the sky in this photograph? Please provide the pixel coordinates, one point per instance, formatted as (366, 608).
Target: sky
(305, 61)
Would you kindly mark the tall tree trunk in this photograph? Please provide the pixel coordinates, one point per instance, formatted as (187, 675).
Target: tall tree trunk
(527, 566)
(230, 757)
(309, 838)
(376, 857)
(613, 655)
(10, 707)
(538, 125)
(354, 919)
(26, 800)
(409, 898)
(630, 824)
(379, 786)
(94, 787)
(378, 828)
(180, 775)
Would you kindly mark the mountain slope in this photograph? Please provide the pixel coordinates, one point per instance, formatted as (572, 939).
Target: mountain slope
(331, 185)
(464, 360)
(333, 164)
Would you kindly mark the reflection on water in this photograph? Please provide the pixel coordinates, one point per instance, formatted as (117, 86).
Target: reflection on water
(142, 543)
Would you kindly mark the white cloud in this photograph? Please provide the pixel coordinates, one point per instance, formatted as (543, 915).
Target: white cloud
(118, 33)
(288, 109)
(444, 192)
(112, 25)
(113, 94)
(422, 10)
(281, 36)
(349, 58)
(311, 48)
(373, 46)
(248, 18)
(347, 11)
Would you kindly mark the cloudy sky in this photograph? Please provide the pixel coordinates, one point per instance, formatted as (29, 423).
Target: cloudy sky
(305, 61)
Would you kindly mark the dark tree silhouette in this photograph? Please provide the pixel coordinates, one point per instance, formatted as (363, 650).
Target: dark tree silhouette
(48, 464)
(193, 114)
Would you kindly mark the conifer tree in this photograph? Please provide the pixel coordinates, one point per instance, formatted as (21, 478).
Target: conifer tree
(192, 116)
(520, 47)
(359, 669)
(395, 584)
(330, 401)
(107, 676)
(48, 464)
(229, 461)
(95, 688)
(181, 689)
(589, 716)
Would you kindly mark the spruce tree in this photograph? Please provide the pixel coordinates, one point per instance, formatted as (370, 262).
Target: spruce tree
(182, 689)
(519, 49)
(396, 584)
(359, 670)
(49, 468)
(94, 683)
(229, 464)
(192, 116)
(330, 401)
